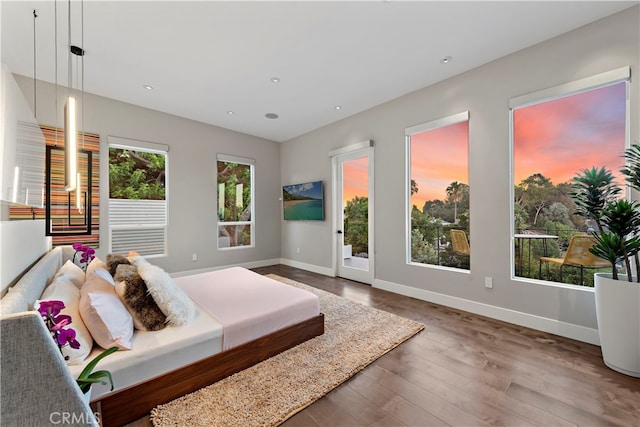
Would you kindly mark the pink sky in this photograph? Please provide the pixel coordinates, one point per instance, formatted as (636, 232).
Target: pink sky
(560, 137)
(438, 158)
(355, 177)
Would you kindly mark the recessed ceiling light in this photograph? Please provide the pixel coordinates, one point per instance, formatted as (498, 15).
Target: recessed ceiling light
(271, 116)
(338, 107)
(445, 60)
(275, 79)
(230, 113)
(147, 87)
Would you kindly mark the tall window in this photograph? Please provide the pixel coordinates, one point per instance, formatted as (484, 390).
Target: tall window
(557, 135)
(137, 196)
(438, 192)
(235, 202)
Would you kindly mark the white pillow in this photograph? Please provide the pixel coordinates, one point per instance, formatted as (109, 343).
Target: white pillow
(65, 290)
(71, 270)
(104, 314)
(171, 299)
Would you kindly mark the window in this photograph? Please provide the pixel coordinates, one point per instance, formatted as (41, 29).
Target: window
(438, 192)
(137, 196)
(235, 202)
(557, 134)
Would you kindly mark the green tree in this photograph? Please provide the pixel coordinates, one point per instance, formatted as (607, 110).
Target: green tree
(233, 177)
(356, 227)
(556, 212)
(534, 193)
(136, 175)
(422, 251)
(455, 193)
(414, 187)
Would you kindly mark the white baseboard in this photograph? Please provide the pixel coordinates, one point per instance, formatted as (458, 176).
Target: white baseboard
(253, 264)
(568, 330)
(309, 267)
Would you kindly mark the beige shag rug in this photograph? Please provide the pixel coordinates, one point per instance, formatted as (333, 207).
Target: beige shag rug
(272, 391)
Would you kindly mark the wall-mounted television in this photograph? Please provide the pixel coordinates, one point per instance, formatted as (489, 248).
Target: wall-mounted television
(303, 202)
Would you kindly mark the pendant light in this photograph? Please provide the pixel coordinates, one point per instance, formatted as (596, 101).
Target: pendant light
(70, 117)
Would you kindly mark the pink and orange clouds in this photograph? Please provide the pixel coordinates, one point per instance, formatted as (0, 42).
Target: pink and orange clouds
(438, 158)
(558, 138)
(355, 178)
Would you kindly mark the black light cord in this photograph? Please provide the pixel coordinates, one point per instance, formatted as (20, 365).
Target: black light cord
(35, 91)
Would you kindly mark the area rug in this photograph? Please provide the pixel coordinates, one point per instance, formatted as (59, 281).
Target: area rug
(272, 391)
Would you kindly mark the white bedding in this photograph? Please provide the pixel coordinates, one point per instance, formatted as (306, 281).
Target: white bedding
(247, 304)
(157, 352)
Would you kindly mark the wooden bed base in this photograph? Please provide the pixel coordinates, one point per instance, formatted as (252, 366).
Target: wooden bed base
(135, 402)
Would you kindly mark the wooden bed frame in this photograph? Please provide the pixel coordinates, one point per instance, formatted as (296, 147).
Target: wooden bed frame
(135, 402)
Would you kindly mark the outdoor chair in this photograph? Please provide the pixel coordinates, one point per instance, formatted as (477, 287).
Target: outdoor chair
(577, 255)
(460, 242)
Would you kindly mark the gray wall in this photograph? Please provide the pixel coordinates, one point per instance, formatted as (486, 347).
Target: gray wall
(192, 176)
(485, 91)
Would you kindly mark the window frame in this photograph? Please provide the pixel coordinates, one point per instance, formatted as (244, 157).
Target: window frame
(226, 158)
(148, 147)
(408, 132)
(608, 78)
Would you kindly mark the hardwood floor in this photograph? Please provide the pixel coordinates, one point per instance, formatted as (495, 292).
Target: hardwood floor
(468, 370)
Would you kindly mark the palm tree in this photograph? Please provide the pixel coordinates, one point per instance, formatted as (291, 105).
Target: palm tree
(455, 192)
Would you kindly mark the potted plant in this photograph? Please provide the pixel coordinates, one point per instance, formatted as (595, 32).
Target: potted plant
(617, 225)
(63, 335)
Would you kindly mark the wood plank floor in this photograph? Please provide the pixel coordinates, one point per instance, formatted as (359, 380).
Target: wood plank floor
(468, 370)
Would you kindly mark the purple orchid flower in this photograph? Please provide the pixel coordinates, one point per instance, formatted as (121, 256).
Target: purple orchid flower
(87, 254)
(68, 336)
(50, 308)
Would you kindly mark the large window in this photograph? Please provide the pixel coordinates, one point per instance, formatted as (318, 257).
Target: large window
(235, 202)
(559, 134)
(438, 192)
(137, 197)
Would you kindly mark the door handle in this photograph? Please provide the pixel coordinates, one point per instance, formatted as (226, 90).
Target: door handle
(339, 231)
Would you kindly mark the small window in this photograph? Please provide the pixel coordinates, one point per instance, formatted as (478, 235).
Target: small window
(236, 222)
(137, 197)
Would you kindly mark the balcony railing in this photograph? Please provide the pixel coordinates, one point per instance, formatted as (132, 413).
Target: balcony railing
(431, 244)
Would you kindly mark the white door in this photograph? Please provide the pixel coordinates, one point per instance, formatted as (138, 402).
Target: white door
(353, 172)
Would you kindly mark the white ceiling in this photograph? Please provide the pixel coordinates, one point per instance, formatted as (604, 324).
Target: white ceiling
(206, 58)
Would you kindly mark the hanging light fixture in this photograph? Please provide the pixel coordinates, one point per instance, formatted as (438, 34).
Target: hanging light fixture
(70, 145)
(70, 117)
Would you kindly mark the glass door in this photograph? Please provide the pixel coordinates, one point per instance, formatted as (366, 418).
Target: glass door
(354, 182)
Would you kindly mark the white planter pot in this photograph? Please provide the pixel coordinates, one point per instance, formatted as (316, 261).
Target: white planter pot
(618, 313)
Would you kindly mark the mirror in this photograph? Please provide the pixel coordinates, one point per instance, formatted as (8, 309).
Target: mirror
(22, 154)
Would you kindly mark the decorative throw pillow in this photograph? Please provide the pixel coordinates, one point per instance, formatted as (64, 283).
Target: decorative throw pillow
(132, 290)
(172, 300)
(73, 272)
(104, 314)
(113, 261)
(65, 290)
(95, 264)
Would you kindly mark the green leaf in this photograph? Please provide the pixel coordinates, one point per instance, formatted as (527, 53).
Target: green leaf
(87, 375)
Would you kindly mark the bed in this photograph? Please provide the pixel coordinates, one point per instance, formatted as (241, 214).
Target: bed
(231, 332)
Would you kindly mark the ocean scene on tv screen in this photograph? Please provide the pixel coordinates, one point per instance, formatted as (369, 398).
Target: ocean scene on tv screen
(303, 201)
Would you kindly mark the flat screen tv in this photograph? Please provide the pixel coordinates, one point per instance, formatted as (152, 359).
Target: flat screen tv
(303, 202)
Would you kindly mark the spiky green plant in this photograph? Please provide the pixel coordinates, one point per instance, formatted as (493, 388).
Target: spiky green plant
(592, 190)
(618, 221)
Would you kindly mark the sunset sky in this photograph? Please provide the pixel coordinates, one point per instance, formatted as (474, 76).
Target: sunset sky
(355, 177)
(438, 158)
(556, 138)
(560, 137)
